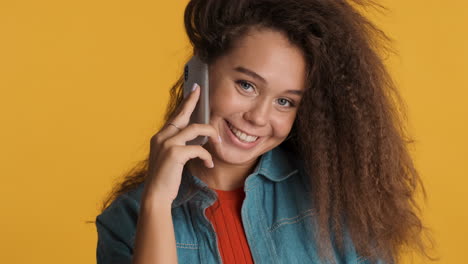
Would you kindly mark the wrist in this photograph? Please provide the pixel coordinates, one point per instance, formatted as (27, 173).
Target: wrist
(156, 199)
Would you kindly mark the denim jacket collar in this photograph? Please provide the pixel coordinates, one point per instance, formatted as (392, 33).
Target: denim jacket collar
(273, 165)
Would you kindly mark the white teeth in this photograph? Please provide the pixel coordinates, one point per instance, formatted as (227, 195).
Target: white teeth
(241, 135)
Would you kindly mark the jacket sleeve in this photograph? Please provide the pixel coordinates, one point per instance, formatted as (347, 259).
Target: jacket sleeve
(116, 228)
(109, 248)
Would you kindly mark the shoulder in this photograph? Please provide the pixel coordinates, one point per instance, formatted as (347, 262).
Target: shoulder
(118, 221)
(125, 204)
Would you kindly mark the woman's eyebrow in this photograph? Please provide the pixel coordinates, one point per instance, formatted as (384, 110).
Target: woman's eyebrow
(296, 92)
(250, 73)
(258, 77)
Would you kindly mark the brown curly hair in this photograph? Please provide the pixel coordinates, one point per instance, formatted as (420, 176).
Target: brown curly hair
(349, 129)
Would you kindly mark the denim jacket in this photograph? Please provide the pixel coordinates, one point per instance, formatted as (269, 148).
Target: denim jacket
(277, 216)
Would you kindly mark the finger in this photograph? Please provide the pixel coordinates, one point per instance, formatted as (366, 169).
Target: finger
(193, 131)
(192, 152)
(182, 118)
(183, 113)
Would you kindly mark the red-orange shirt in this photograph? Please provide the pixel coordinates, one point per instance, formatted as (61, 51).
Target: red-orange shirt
(225, 214)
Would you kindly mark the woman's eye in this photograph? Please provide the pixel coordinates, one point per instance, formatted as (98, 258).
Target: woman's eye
(284, 102)
(245, 85)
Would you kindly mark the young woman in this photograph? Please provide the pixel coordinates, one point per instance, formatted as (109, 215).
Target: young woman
(306, 160)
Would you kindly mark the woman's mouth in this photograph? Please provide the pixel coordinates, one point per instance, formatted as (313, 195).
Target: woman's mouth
(241, 138)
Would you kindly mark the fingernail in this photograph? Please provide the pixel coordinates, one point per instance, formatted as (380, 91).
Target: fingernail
(212, 164)
(194, 86)
(219, 139)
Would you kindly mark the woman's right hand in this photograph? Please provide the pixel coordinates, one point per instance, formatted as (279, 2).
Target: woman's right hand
(169, 152)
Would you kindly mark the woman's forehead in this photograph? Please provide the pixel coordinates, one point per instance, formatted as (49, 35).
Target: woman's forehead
(268, 57)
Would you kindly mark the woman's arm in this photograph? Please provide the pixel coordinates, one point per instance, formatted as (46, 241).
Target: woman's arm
(154, 236)
(155, 239)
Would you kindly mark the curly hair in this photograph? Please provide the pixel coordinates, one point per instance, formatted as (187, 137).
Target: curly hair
(349, 130)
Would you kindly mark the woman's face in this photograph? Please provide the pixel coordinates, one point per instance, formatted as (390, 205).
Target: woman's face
(255, 90)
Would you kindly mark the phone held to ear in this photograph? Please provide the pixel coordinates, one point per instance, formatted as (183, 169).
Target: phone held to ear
(196, 71)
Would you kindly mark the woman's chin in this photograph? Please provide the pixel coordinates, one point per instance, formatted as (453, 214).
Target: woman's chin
(231, 156)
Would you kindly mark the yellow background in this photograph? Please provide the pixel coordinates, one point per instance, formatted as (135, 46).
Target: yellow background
(83, 85)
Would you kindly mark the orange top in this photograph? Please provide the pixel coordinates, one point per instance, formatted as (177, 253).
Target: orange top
(225, 215)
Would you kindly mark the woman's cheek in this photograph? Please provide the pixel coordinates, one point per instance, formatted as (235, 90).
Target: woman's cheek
(282, 126)
(227, 100)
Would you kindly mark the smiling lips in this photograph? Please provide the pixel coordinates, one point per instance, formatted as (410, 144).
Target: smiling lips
(241, 135)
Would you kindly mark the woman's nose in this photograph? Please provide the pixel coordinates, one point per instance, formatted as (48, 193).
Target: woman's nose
(259, 113)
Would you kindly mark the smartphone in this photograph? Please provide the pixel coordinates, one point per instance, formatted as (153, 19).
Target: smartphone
(196, 71)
